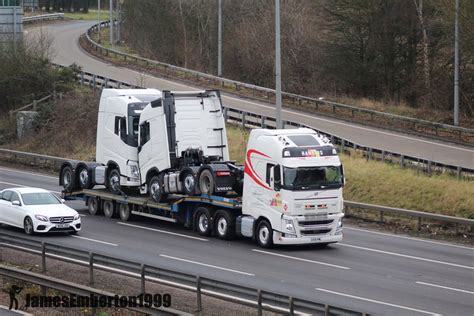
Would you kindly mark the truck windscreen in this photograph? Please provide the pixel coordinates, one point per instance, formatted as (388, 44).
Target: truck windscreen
(310, 178)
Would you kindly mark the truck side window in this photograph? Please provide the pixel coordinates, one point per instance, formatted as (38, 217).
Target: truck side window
(144, 133)
(277, 176)
(123, 129)
(117, 125)
(267, 178)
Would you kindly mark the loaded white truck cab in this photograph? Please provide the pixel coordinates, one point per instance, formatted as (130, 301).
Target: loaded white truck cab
(292, 188)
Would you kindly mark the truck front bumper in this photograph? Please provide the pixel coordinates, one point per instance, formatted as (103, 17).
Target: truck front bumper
(279, 239)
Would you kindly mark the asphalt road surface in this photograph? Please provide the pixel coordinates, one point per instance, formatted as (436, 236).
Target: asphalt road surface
(370, 271)
(67, 51)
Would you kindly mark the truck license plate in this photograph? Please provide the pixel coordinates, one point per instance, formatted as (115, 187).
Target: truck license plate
(62, 225)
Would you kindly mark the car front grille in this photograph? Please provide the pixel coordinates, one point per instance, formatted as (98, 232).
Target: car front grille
(61, 219)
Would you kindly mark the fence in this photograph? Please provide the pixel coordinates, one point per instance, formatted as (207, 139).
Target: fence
(341, 111)
(243, 295)
(55, 163)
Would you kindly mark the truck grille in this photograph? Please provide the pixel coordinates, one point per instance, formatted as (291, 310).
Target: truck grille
(315, 232)
(61, 220)
(319, 222)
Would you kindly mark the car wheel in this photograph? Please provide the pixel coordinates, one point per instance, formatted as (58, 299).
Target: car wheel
(155, 189)
(113, 181)
(67, 177)
(203, 221)
(206, 182)
(28, 226)
(224, 224)
(265, 234)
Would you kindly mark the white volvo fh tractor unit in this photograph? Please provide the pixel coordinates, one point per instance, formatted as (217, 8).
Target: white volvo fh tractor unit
(159, 142)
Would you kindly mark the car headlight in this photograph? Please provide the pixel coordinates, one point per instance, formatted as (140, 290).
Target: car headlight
(289, 225)
(134, 171)
(76, 217)
(41, 218)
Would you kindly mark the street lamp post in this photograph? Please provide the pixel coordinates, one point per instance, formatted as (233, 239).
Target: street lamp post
(456, 65)
(219, 39)
(277, 65)
(111, 24)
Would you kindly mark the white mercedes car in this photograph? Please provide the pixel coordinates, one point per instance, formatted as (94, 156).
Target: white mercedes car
(37, 211)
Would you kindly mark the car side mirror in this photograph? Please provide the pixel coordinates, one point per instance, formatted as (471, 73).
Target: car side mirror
(16, 202)
(63, 200)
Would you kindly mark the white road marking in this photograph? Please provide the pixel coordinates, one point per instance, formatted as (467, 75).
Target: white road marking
(408, 256)
(24, 186)
(163, 231)
(29, 173)
(445, 287)
(379, 302)
(95, 240)
(207, 265)
(301, 259)
(410, 238)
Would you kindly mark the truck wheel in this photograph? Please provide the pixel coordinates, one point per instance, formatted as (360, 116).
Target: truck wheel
(93, 205)
(225, 224)
(85, 178)
(206, 182)
(189, 184)
(113, 181)
(203, 221)
(67, 177)
(125, 212)
(265, 234)
(109, 209)
(155, 189)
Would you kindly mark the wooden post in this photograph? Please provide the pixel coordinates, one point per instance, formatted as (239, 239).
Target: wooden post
(198, 292)
(91, 269)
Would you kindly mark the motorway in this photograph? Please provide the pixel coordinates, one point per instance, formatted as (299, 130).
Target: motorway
(371, 271)
(67, 51)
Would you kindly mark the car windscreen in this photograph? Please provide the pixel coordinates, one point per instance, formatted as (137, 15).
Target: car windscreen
(39, 198)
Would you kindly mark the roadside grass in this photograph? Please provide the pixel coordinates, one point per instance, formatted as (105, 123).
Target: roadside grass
(385, 184)
(91, 15)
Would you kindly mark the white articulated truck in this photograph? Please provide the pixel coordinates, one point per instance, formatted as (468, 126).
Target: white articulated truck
(172, 146)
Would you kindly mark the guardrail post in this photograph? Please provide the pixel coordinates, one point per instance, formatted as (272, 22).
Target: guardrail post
(402, 161)
(259, 302)
(343, 145)
(419, 223)
(381, 217)
(458, 172)
(262, 124)
(94, 78)
(326, 310)
(91, 269)
(292, 306)
(198, 293)
(383, 155)
(243, 119)
(370, 153)
(429, 167)
(105, 83)
(43, 257)
(142, 279)
(226, 117)
(82, 78)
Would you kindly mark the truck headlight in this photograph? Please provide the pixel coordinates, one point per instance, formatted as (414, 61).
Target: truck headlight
(339, 224)
(41, 218)
(289, 225)
(134, 171)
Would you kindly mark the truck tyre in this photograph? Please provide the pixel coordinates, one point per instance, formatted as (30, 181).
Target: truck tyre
(206, 182)
(264, 234)
(189, 184)
(125, 212)
(203, 221)
(84, 178)
(156, 189)
(113, 181)
(109, 209)
(224, 224)
(67, 177)
(93, 205)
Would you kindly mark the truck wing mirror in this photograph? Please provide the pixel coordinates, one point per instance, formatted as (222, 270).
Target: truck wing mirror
(139, 148)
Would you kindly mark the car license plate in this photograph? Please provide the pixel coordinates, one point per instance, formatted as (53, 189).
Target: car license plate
(315, 238)
(62, 225)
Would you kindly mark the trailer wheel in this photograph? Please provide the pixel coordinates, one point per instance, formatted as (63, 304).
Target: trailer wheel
(109, 209)
(206, 182)
(125, 212)
(67, 176)
(113, 181)
(189, 184)
(224, 224)
(93, 205)
(156, 190)
(203, 221)
(85, 178)
(265, 234)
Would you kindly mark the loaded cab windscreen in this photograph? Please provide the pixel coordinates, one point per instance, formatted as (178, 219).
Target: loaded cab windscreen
(129, 133)
(311, 178)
